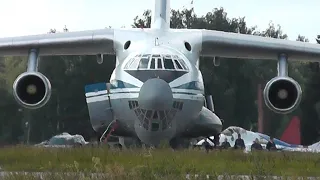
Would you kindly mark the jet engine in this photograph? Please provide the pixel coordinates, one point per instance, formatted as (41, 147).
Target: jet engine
(282, 94)
(32, 90)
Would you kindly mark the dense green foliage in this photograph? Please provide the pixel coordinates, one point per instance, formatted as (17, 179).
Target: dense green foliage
(150, 163)
(233, 85)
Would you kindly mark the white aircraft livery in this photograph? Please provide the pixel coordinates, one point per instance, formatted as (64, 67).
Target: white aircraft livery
(156, 91)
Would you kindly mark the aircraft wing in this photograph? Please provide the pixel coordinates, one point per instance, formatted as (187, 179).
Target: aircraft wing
(66, 43)
(236, 45)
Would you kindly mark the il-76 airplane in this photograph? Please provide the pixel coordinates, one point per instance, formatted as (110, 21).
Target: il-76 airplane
(156, 91)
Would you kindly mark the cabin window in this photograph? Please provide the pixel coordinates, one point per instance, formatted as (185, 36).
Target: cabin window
(180, 106)
(177, 105)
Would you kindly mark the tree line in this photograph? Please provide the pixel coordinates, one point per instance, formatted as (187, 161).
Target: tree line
(234, 85)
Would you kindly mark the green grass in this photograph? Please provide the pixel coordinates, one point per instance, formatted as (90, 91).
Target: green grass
(158, 163)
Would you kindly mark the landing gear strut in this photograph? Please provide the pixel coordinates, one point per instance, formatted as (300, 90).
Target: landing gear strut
(177, 143)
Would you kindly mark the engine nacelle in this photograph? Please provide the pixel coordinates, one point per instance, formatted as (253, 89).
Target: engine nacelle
(32, 90)
(282, 94)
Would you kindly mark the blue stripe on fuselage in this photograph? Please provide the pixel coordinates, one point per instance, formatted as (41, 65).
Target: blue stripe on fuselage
(118, 84)
(95, 87)
(103, 86)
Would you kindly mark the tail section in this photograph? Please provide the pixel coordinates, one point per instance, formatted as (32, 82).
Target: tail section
(161, 14)
(292, 133)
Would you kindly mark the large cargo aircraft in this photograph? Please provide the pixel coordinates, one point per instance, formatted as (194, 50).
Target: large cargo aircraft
(156, 90)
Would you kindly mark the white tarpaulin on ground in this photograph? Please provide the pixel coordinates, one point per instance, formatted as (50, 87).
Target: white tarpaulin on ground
(315, 146)
(231, 133)
(64, 139)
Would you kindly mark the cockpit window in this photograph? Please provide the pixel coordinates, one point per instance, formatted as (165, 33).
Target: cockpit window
(168, 64)
(129, 63)
(134, 63)
(183, 64)
(153, 65)
(159, 63)
(144, 61)
(156, 61)
(178, 64)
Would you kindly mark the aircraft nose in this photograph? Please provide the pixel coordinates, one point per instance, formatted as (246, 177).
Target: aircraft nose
(155, 94)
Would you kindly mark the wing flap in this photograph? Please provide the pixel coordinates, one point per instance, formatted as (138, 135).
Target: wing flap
(67, 43)
(236, 45)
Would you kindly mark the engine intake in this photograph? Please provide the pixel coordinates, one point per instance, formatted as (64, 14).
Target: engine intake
(32, 90)
(282, 94)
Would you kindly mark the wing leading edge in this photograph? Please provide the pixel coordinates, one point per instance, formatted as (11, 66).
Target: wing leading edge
(234, 45)
(67, 43)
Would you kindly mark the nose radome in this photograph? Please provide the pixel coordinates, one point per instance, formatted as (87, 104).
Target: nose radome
(155, 94)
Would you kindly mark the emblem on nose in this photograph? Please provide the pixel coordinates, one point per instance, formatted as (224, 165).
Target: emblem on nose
(155, 94)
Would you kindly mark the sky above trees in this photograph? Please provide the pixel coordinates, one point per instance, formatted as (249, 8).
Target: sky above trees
(85, 15)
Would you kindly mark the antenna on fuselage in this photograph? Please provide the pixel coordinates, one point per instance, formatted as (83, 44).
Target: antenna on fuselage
(156, 42)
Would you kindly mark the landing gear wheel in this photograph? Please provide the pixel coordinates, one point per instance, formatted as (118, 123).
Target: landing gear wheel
(216, 140)
(179, 143)
(174, 143)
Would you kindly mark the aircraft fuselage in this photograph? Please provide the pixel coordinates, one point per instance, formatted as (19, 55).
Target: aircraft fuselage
(155, 93)
(156, 89)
